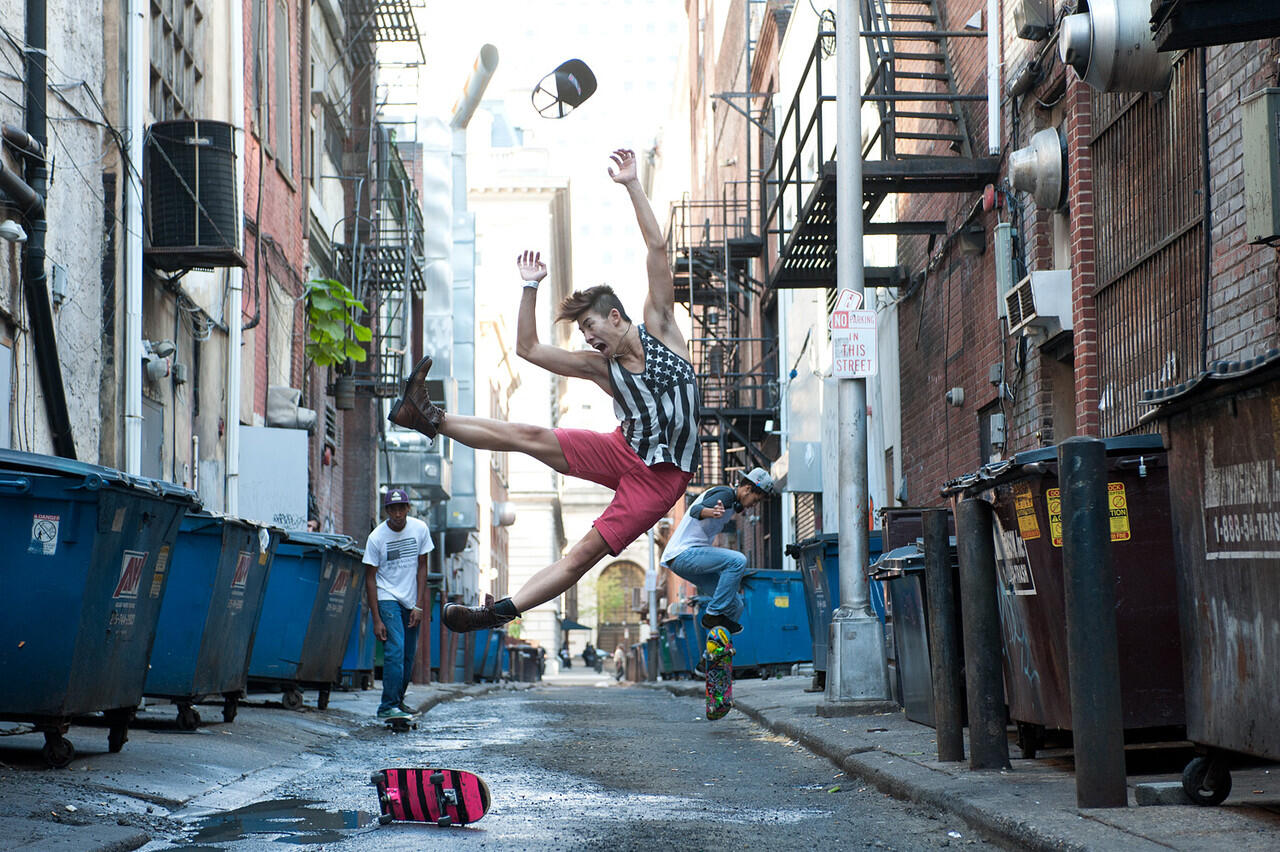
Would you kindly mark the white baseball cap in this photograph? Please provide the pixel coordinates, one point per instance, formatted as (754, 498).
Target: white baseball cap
(760, 478)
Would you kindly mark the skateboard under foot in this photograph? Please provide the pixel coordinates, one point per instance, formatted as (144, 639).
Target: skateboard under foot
(401, 725)
(442, 796)
(719, 665)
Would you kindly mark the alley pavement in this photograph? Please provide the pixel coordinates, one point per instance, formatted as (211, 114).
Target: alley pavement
(120, 801)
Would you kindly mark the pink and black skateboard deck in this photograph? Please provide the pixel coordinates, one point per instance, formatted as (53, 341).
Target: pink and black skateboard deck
(443, 796)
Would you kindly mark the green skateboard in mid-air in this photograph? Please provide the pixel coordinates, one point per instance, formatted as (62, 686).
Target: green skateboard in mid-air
(719, 665)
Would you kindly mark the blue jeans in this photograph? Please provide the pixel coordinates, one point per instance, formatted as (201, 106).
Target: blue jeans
(397, 652)
(718, 573)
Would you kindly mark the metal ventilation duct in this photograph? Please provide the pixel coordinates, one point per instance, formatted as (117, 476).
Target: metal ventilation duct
(1111, 46)
(1040, 169)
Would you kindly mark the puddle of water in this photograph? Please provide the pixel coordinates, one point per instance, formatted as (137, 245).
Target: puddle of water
(284, 820)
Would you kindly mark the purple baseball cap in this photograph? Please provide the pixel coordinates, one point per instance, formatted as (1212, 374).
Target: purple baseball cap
(395, 496)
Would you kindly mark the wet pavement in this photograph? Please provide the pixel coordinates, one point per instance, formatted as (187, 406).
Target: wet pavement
(585, 766)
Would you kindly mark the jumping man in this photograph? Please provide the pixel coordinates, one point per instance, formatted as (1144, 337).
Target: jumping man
(648, 461)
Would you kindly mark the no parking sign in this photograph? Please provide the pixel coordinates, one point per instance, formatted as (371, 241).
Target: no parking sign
(853, 338)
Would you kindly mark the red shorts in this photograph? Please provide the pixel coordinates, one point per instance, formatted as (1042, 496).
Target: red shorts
(643, 495)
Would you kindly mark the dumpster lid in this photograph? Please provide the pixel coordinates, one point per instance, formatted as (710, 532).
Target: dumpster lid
(38, 463)
(1223, 377)
(326, 540)
(1024, 463)
(897, 562)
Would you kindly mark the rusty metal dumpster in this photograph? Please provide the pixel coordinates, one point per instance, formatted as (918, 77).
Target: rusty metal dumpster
(1028, 545)
(1223, 433)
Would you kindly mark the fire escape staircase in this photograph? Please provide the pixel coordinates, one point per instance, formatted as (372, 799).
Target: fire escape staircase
(921, 143)
(711, 245)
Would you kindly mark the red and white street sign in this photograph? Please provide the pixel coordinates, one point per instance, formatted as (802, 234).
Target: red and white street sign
(847, 302)
(853, 345)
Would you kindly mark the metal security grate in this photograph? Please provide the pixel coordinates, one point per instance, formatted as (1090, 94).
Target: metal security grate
(1147, 162)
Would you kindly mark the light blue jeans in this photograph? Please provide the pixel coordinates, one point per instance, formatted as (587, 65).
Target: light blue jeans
(718, 573)
(397, 652)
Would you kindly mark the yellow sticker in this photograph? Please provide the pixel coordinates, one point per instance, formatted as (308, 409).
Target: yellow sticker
(1053, 505)
(782, 602)
(1025, 508)
(157, 578)
(1118, 507)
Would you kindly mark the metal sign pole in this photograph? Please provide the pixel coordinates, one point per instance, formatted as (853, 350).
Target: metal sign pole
(856, 672)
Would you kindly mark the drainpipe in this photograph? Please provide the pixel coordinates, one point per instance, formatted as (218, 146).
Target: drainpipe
(993, 77)
(32, 202)
(135, 96)
(235, 274)
(460, 511)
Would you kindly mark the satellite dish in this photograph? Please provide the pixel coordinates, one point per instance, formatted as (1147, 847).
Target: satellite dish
(564, 89)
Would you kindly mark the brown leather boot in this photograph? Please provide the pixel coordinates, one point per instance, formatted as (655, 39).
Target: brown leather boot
(464, 619)
(405, 413)
(420, 414)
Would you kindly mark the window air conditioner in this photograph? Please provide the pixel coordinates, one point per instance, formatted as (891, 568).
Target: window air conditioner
(1041, 300)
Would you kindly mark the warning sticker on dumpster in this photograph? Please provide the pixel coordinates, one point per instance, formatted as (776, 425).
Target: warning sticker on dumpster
(1119, 509)
(1025, 508)
(338, 592)
(782, 601)
(44, 535)
(157, 577)
(1053, 504)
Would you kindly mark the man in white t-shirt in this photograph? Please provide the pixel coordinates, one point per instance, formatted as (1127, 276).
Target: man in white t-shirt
(397, 591)
(716, 571)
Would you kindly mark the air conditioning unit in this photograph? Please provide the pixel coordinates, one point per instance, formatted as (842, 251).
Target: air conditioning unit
(1041, 300)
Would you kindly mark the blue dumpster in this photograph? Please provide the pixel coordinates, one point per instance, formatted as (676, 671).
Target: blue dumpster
(487, 655)
(316, 583)
(85, 572)
(357, 664)
(819, 563)
(680, 640)
(775, 624)
(210, 613)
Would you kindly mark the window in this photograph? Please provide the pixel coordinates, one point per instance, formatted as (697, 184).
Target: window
(259, 24)
(281, 100)
(177, 58)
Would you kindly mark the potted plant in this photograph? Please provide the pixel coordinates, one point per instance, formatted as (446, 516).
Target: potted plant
(334, 336)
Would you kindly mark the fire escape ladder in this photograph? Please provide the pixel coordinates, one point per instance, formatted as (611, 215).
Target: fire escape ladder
(920, 144)
(711, 245)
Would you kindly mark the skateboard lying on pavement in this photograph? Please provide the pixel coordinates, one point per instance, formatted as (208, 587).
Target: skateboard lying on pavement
(719, 665)
(443, 796)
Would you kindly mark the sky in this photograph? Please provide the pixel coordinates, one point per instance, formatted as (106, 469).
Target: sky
(633, 47)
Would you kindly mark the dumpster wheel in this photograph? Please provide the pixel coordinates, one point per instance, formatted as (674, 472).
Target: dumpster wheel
(58, 750)
(292, 698)
(1207, 781)
(230, 704)
(117, 736)
(188, 718)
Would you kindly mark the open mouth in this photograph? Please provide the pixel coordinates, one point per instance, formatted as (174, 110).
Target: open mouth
(600, 347)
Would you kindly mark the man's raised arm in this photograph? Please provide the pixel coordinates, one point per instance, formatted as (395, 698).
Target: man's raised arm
(559, 361)
(659, 305)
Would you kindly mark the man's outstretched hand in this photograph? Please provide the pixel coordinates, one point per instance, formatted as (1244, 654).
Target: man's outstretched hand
(531, 266)
(625, 160)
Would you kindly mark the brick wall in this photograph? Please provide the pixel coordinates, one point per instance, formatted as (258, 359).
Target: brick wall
(1245, 284)
(1084, 314)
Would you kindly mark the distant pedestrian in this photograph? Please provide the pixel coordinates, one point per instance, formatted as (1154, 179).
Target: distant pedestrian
(716, 571)
(396, 587)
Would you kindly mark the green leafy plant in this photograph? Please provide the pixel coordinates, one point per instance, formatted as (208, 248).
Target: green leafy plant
(335, 336)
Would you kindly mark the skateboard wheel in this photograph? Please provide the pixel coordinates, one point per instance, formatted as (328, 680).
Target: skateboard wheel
(378, 778)
(384, 819)
(437, 778)
(444, 822)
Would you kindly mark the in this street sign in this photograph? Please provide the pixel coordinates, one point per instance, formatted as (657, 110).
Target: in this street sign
(853, 345)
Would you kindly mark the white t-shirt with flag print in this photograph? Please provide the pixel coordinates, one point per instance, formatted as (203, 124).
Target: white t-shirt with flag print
(395, 556)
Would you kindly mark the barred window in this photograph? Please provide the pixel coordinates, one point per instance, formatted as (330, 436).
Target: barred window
(282, 102)
(177, 58)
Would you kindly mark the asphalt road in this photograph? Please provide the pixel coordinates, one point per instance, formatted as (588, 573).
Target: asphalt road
(582, 767)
